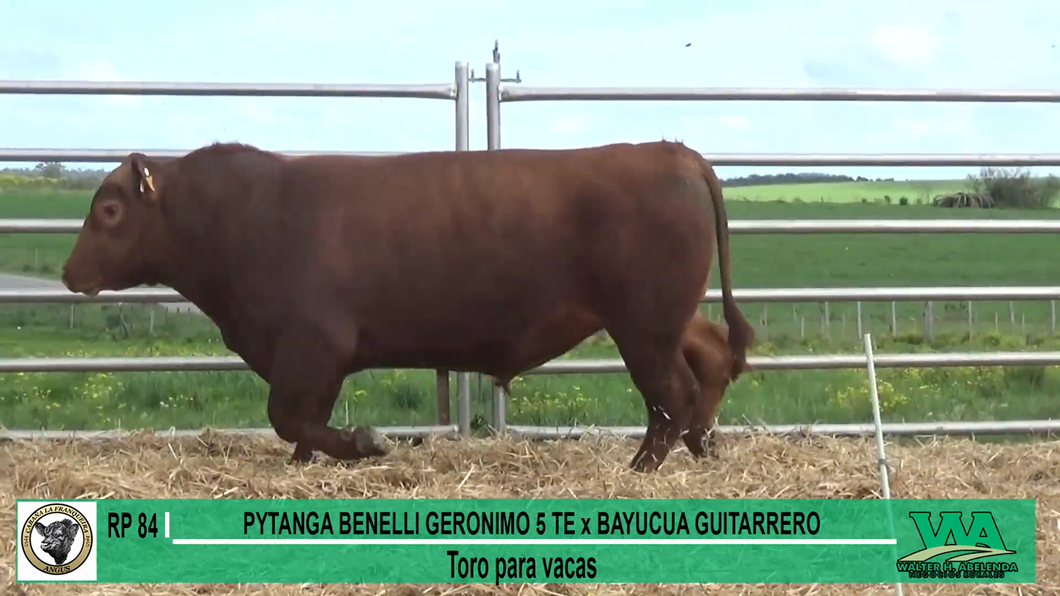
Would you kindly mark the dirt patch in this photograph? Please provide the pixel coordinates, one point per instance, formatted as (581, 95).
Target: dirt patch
(214, 466)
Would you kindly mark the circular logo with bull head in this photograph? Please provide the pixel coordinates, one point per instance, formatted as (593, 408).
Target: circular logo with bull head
(56, 539)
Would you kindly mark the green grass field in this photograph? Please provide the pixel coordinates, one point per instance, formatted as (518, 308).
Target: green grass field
(922, 191)
(192, 400)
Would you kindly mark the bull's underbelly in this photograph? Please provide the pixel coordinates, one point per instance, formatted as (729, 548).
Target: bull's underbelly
(503, 348)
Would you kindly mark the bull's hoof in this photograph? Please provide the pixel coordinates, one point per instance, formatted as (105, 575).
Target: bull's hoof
(704, 448)
(302, 454)
(711, 451)
(644, 464)
(712, 444)
(365, 441)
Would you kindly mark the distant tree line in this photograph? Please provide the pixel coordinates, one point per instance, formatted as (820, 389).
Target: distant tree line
(792, 178)
(51, 175)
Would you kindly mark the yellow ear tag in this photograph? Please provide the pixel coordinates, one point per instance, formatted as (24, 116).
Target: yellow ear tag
(150, 182)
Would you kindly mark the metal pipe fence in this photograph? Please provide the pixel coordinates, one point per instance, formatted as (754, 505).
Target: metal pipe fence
(516, 94)
(752, 295)
(456, 91)
(906, 429)
(498, 93)
(559, 366)
(423, 91)
(746, 226)
(117, 155)
(901, 429)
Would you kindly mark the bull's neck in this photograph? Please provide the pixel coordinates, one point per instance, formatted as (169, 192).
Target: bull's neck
(198, 250)
(197, 278)
(206, 291)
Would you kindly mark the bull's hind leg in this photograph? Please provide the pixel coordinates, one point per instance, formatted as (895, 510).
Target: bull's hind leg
(708, 356)
(664, 379)
(305, 380)
(699, 438)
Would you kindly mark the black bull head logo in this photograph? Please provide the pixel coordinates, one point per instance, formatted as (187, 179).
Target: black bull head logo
(58, 538)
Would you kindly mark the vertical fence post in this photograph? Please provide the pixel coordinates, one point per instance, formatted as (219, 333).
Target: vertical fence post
(493, 106)
(894, 318)
(765, 320)
(493, 143)
(859, 319)
(463, 379)
(827, 322)
(500, 423)
(1052, 316)
(971, 320)
(929, 321)
(881, 456)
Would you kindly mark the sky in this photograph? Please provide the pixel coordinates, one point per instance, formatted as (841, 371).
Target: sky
(749, 43)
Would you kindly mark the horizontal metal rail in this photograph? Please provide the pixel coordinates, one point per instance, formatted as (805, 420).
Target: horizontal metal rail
(392, 432)
(424, 91)
(61, 296)
(823, 362)
(117, 155)
(893, 226)
(720, 159)
(510, 93)
(555, 367)
(883, 159)
(742, 226)
(957, 428)
(749, 295)
(760, 295)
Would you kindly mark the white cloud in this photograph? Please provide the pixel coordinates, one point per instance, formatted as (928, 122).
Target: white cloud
(906, 45)
(568, 125)
(259, 114)
(734, 121)
(105, 71)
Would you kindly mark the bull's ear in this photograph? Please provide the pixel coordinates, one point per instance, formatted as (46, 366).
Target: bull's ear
(71, 528)
(143, 175)
(39, 527)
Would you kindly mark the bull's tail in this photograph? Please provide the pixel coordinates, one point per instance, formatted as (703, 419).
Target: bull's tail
(741, 334)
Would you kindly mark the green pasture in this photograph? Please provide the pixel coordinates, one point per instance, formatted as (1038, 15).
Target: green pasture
(915, 191)
(192, 400)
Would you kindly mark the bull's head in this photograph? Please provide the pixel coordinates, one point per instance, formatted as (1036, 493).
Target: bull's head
(58, 538)
(110, 251)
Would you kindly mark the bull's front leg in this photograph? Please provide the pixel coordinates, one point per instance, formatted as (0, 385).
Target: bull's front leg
(305, 381)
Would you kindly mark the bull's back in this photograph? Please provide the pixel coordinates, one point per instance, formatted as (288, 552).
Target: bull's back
(502, 238)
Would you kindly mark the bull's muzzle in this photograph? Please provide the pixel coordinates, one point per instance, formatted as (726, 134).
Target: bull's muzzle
(89, 289)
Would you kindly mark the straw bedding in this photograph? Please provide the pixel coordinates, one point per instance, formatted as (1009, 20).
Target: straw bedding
(762, 467)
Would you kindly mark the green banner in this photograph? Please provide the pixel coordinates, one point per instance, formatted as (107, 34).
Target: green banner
(538, 541)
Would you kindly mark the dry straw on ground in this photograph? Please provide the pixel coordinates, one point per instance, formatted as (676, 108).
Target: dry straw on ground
(763, 467)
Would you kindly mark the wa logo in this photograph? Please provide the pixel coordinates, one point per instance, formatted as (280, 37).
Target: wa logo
(952, 549)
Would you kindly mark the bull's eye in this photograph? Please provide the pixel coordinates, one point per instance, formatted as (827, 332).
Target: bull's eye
(110, 210)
